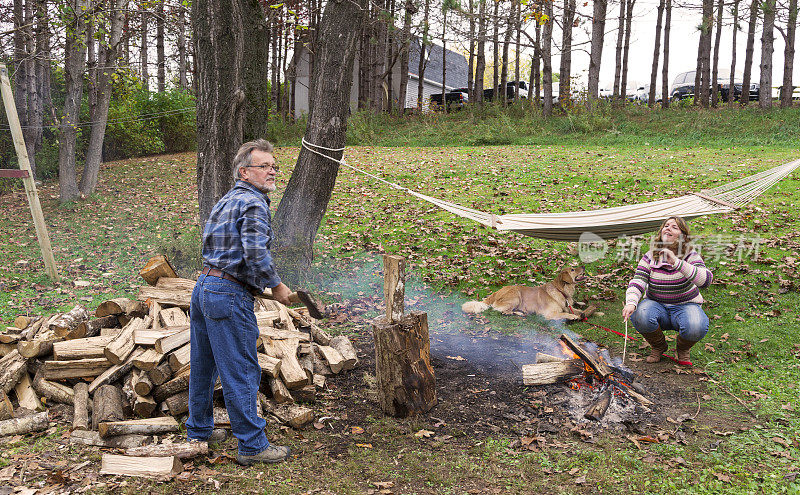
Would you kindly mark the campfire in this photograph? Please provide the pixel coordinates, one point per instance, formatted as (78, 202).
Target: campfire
(592, 371)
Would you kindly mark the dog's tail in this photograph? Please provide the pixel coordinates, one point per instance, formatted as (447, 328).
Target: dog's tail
(474, 307)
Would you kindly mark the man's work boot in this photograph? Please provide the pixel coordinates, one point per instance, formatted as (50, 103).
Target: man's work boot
(270, 455)
(682, 351)
(658, 345)
(218, 436)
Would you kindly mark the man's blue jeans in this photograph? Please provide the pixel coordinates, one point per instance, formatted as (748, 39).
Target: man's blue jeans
(223, 341)
(688, 319)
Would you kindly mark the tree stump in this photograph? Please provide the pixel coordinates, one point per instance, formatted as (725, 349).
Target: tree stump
(405, 378)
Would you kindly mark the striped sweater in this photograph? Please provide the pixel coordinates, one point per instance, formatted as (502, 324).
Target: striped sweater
(669, 285)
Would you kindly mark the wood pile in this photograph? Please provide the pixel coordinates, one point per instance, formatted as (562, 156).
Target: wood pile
(124, 368)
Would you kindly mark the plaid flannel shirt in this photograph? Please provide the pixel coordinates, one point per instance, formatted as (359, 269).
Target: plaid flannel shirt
(238, 234)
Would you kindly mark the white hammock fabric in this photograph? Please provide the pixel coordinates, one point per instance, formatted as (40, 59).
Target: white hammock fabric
(606, 222)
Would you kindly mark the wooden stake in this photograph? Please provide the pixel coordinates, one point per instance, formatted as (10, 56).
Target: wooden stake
(29, 181)
(394, 282)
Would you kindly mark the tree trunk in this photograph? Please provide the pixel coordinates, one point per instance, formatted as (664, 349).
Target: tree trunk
(422, 59)
(518, 52)
(480, 59)
(565, 71)
(547, 67)
(537, 62)
(220, 49)
(410, 10)
(731, 99)
(444, 58)
(626, 48)
(504, 65)
(306, 197)
(255, 71)
(496, 48)
(92, 39)
(44, 101)
(618, 65)
(715, 61)
(748, 54)
(767, 39)
(788, 56)
(144, 69)
(160, 60)
(595, 57)
(651, 100)
(665, 66)
(183, 82)
(107, 59)
(75, 65)
(471, 58)
(708, 27)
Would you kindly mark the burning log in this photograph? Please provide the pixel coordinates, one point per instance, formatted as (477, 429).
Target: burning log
(21, 426)
(541, 357)
(600, 368)
(148, 467)
(550, 372)
(598, 409)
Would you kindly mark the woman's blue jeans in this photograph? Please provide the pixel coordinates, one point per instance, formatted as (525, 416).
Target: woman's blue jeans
(688, 319)
(223, 341)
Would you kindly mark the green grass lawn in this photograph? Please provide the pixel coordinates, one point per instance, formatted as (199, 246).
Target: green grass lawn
(149, 205)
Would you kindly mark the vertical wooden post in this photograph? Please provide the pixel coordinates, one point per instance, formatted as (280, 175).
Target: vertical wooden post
(29, 181)
(394, 286)
(405, 379)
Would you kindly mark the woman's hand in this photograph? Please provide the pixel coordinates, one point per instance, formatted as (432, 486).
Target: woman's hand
(627, 311)
(667, 256)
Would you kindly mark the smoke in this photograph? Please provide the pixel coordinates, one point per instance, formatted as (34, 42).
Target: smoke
(490, 342)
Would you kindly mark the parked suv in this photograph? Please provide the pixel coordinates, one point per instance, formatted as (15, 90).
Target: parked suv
(683, 87)
(456, 98)
(489, 94)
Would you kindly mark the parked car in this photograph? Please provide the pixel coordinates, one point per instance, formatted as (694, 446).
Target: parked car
(489, 94)
(642, 95)
(456, 98)
(683, 87)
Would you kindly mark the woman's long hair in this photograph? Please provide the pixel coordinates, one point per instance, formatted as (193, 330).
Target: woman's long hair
(682, 246)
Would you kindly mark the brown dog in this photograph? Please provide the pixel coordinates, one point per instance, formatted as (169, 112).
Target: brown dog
(551, 300)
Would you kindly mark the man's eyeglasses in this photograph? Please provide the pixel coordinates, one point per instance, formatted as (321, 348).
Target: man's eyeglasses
(273, 167)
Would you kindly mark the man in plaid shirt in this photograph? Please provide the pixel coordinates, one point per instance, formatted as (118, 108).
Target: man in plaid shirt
(238, 263)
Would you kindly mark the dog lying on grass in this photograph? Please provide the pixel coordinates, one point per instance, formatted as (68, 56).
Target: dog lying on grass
(552, 300)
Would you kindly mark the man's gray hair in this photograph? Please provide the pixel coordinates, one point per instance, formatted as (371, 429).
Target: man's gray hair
(244, 156)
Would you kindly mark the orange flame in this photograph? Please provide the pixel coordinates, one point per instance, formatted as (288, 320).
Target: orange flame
(567, 352)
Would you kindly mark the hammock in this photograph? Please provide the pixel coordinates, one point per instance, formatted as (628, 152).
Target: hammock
(606, 223)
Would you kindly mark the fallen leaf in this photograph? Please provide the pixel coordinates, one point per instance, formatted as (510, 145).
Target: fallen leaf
(356, 430)
(423, 434)
(781, 441)
(364, 445)
(456, 358)
(580, 480)
(722, 477)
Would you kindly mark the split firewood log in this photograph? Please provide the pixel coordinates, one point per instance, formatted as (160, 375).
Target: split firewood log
(291, 372)
(172, 387)
(12, 335)
(76, 368)
(182, 450)
(147, 467)
(288, 413)
(6, 408)
(280, 393)
(121, 346)
(157, 267)
(40, 346)
(166, 297)
(109, 332)
(177, 404)
(307, 363)
(91, 328)
(306, 394)
(26, 395)
(24, 425)
(55, 392)
(90, 347)
(149, 426)
(160, 374)
(88, 437)
(12, 366)
(33, 328)
(550, 372)
(180, 357)
(142, 384)
(107, 405)
(320, 381)
(6, 349)
(148, 360)
(22, 321)
(142, 405)
(67, 322)
(170, 342)
(320, 366)
(176, 283)
(172, 317)
(115, 372)
(278, 334)
(541, 357)
(149, 336)
(269, 365)
(343, 345)
(80, 417)
(332, 357)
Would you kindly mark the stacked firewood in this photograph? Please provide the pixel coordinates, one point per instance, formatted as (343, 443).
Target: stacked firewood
(130, 359)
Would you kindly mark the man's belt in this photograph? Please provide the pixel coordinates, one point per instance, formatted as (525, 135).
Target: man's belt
(220, 274)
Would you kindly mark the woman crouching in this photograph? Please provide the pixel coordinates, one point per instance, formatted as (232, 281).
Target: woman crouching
(664, 293)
